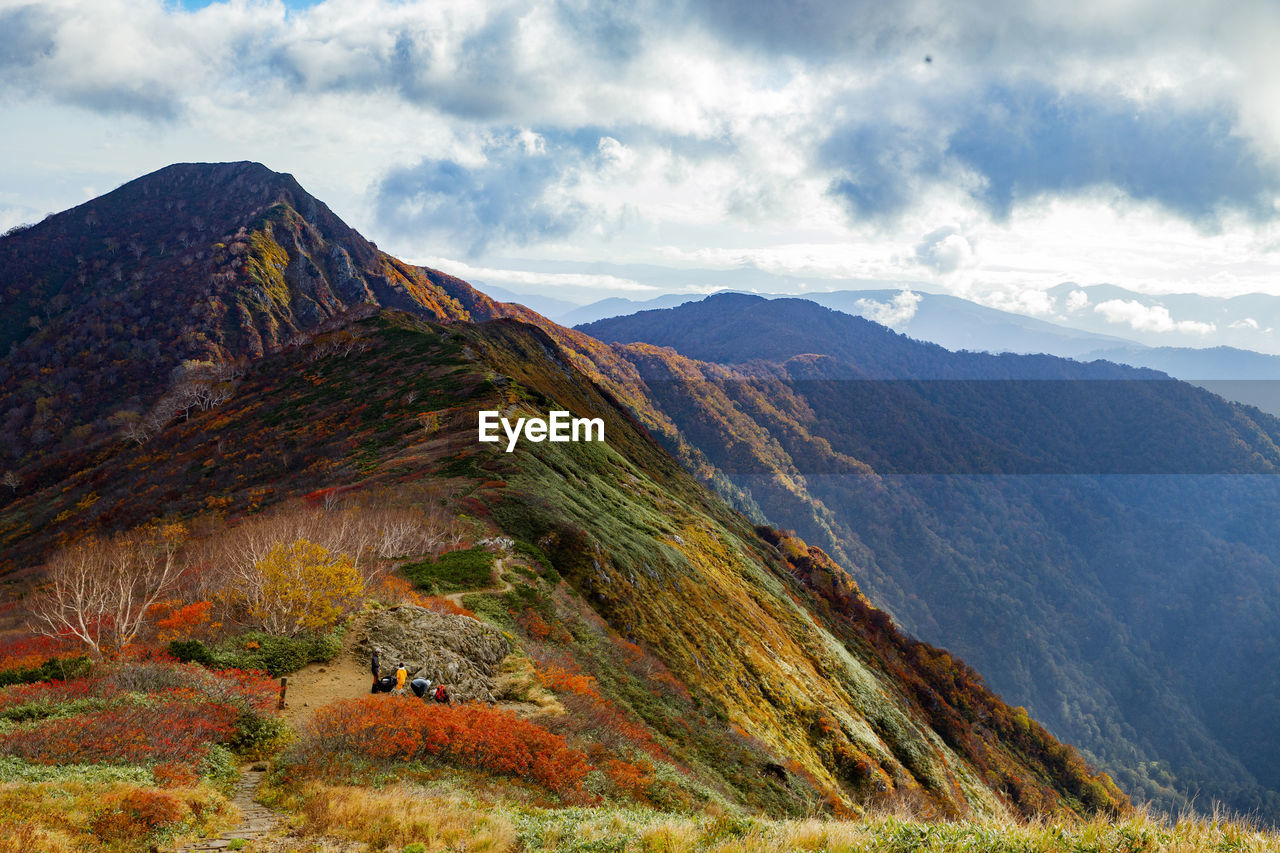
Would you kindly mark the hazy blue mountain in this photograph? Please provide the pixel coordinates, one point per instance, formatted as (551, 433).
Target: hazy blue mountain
(1251, 321)
(547, 306)
(959, 324)
(617, 306)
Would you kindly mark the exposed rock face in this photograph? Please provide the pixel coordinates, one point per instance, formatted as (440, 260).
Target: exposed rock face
(456, 650)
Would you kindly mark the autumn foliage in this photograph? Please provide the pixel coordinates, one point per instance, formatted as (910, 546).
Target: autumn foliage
(306, 588)
(162, 714)
(471, 735)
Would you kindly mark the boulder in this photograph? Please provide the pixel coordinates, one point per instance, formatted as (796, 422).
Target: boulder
(461, 652)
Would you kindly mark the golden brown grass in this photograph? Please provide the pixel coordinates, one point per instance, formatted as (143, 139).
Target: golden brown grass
(393, 818)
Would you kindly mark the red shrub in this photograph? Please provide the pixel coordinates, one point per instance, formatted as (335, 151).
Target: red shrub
(49, 692)
(29, 652)
(171, 730)
(490, 739)
(249, 690)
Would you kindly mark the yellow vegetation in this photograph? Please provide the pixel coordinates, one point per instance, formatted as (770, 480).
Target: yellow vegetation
(306, 588)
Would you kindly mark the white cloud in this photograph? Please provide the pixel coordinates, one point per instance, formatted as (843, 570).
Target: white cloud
(1149, 318)
(1246, 323)
(894, 313)
(526, 277)
(945, 251)
(1076, 300)
(1031, 301)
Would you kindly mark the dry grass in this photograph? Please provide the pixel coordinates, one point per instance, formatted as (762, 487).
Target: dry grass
(393, 818)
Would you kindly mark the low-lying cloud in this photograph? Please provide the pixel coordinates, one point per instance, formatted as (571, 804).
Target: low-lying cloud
(894, 313)
(1149, 318)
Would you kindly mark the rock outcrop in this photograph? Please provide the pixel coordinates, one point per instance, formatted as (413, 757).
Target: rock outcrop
(457, 650)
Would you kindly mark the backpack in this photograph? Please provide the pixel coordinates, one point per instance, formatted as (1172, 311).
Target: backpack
(385, 684)
(440, 694)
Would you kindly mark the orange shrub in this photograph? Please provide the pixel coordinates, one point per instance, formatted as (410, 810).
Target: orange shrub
(563, 680)
(537, 628)
(137, 812)
(184, 621)
(171, 774)
(393, 728)
(447, 606)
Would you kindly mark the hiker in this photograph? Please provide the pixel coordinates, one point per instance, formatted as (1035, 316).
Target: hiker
(402, 675)
(420, 686)
(377, 664)
(440, 694)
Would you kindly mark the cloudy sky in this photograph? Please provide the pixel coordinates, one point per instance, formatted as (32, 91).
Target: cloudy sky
(990, 149)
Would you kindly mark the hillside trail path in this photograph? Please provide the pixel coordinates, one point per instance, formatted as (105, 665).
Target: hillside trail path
(499, 568)
(256, 820)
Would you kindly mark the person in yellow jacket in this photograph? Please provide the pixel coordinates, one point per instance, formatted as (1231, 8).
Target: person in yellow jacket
(402, 675)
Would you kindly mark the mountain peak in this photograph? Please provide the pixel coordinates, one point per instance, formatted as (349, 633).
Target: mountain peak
(195, 261)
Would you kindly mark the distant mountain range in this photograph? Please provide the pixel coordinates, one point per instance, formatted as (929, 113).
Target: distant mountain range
(1251, 321)
(960, 324)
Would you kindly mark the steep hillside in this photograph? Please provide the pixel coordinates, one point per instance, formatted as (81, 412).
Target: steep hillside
(1125, 592)
(784, 687)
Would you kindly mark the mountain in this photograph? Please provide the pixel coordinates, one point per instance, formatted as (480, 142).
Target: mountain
(193, 263)
(616, 306)
(1241, 375)
(743, 664)
(951, 322)
(1099, 540)
(959, 324)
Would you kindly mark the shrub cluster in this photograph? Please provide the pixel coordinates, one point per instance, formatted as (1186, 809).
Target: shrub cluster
(453, 572)
(256, 651)
(171, 730)
(471, 735)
